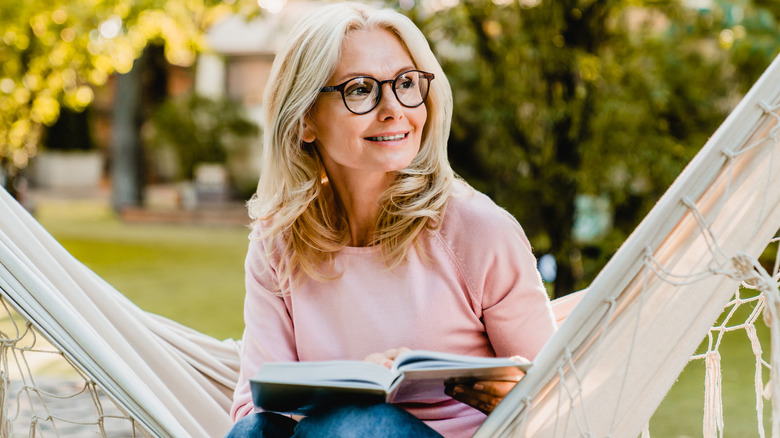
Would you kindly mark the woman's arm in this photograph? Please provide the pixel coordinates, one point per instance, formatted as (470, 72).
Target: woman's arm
(268, 333)
(515, 308)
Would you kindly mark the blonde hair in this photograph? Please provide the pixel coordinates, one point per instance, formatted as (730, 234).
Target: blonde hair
(290, 198)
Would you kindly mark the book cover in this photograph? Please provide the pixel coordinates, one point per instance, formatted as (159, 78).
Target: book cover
(416, 376)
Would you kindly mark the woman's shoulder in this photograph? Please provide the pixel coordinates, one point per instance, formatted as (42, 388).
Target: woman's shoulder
(264, 243)
(481, 238)
(258, 229)
(470, 211)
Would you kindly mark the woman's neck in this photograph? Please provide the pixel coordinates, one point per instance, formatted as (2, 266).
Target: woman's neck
(359, 198)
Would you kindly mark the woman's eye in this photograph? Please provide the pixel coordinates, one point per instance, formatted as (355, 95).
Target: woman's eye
(405, 83)
(358, 90)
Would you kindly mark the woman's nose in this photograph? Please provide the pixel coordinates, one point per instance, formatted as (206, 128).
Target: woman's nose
(389, 107)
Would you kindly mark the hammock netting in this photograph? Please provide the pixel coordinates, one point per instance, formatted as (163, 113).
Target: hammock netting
(603, 374)
(45, 394)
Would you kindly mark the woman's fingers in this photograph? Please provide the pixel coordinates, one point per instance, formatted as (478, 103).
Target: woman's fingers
(379, 359)
(484, 395)
(395, 352)
(386, 359)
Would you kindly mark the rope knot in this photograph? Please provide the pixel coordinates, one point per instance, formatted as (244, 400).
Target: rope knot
(745, 269)
(648, 253)
(750, 272)
(525, 401)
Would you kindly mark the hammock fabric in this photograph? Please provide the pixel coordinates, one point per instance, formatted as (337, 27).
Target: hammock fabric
(173, 380)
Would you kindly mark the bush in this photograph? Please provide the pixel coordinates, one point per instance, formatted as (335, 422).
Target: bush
(200, 129)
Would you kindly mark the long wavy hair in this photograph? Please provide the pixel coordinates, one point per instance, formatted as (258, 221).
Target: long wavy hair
(292, 202)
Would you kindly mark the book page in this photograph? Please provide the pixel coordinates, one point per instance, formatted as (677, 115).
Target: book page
(421, 359)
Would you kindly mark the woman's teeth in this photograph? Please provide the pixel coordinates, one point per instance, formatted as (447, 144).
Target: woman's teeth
(388, 137)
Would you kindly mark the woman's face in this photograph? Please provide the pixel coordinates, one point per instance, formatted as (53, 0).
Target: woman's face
(384, 140)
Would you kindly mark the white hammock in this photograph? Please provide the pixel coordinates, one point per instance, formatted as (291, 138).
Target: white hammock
(603, 373)
(173, 380)
(620, 350)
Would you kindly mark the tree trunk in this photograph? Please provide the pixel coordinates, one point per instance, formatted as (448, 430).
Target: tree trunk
(126, 149)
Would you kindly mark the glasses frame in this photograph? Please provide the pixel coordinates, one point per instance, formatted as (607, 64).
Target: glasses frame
(340, 88)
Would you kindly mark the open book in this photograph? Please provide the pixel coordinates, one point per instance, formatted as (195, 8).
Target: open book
(416, 376)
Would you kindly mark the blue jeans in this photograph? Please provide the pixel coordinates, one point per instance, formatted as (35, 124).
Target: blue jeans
(375, 421)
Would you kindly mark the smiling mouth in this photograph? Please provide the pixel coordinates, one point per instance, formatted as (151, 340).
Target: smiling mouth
(388, 137)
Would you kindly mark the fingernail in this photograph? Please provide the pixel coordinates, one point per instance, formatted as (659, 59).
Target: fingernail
(457, 389)
(479, 386)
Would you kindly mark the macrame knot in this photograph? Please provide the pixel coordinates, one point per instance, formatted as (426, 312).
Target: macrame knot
(752, 274)
(648, 253)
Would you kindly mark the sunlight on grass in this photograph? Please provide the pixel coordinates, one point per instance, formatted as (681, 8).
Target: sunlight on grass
(191, 274)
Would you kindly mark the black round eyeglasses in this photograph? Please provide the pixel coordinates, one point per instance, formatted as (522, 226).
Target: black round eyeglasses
(363, 93)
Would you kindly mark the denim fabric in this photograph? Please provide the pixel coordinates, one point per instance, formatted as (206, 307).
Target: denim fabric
(263, 424)
(350, 421)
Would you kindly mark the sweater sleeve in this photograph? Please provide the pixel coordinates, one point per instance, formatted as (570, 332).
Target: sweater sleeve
(516, 310)
(268, 333)
(499, 269)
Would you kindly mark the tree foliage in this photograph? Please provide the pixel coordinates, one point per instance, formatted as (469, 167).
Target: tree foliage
(609, 98)
(55, 51)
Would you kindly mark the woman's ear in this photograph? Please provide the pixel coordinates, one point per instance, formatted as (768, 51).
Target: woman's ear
(309, 134)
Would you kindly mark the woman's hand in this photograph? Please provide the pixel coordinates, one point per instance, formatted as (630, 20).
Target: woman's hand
(482, 395)
(386, 359)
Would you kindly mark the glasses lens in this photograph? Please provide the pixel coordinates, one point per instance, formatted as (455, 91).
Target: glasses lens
(360, 94)
(411, 88)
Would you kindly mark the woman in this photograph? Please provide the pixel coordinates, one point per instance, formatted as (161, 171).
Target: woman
(364, 243)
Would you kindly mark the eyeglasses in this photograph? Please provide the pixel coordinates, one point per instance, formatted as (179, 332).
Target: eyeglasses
(363, 93)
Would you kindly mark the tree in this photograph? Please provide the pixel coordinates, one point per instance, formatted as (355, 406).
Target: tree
(55, 51)
(611, 98)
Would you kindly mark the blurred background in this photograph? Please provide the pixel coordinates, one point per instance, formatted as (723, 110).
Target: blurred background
(131, 128)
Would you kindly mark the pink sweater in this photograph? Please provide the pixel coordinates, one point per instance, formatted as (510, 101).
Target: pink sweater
(475, 290)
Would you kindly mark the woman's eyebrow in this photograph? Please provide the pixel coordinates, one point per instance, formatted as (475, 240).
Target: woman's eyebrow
(349, 75)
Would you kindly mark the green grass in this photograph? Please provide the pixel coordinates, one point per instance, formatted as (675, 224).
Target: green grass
(681, 412)
(194, 275)
(191, 274)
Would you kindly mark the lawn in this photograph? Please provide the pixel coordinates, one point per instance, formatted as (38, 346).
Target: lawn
(681, 412)
(194, 275)
(191, 274)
